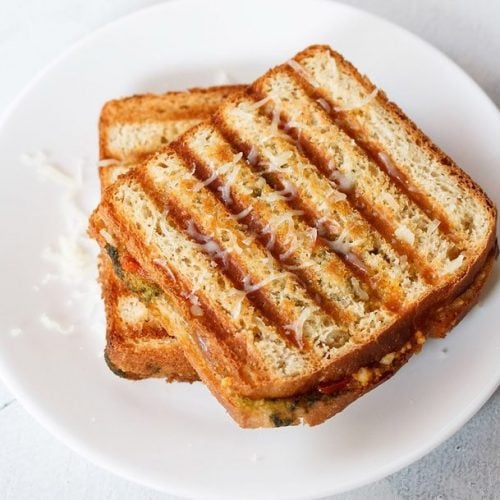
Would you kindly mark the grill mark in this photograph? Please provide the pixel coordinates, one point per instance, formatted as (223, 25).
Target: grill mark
(352, 262)
(361, 205)
(237, 350)
(233, 270)
(373, 147)
(211, 320)
(372, 150)
(257, 225)
(370, 215)
(181, 290)
(393, 301)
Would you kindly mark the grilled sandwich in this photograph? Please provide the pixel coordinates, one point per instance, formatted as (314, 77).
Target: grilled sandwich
(300, 240)
(130, 129)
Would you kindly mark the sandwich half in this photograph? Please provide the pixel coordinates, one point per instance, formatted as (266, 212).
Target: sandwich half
(303, 242)
(130, 130)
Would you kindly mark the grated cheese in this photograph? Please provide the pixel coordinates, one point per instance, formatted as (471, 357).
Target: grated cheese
(196, 310)
(289, 191)
(286, 217)
(253, 156)
(432, 227)
(320, 225)
(389, 199)
(49, 170)
(275, 119)
(215, 251)
(299, 69)
(313, 234)
(267, 230)
(195, 234)
(390, 167)
(249, 288)
(337, 196)
(231, 166)
(229, 239)
(293, 124)
(236, 309)
(324, 104)
(277, 161)
(207, 244)
(298, 325)
(291, 249)
(243, 213)
(207, 181)
(356, 262)
(225, 189)
(453, 265)
(52, 324)
(253, 106)
(72, 255)
(340, 244)
(344, 182)
(404, 234)
(360, 293)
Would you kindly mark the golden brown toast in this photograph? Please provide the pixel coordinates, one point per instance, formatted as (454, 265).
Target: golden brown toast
(294, 252)
(136, 345)
(129, 130)
(314, 407)
(132, 128)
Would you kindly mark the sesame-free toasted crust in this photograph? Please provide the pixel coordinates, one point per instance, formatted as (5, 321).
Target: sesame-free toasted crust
(314, 408)
(264, 385)
(140, 347)
(170, 112)
(218, 220)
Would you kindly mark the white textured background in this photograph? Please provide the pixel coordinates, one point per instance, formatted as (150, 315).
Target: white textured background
(33, 465)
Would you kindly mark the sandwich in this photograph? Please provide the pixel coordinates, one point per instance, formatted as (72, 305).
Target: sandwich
(130, 130)
(303, 242)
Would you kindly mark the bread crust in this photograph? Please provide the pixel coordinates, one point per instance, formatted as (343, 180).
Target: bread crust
(145, 350)
(314, 409)
(142, 350)
(448, 299)
(359, 355)
(419, 137)
(192, 104)
(391, 339)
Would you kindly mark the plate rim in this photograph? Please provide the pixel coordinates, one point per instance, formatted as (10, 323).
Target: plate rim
(102, 461)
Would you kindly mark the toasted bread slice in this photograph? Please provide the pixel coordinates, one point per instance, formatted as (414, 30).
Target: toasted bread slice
(316, 406)
(129, 130)
(132, 128)
(314, 256)
(137, 346)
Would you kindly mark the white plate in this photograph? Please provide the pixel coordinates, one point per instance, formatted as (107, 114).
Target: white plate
(176, 437)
